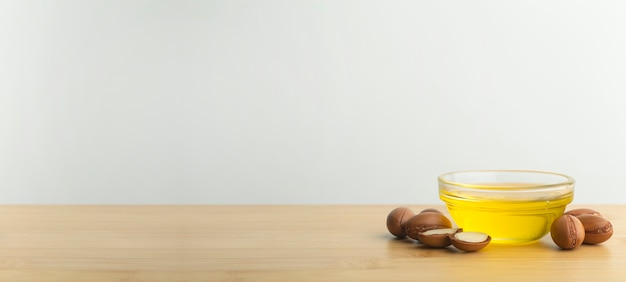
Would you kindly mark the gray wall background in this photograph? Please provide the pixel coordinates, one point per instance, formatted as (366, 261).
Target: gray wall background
(233, 102)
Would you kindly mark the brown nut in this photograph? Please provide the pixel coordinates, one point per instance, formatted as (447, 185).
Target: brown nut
(396, 220)
(470, 241)
(431, 210)
(579, 212)
(597, 229)
(567, 232)
(425, 221)
(437, 238)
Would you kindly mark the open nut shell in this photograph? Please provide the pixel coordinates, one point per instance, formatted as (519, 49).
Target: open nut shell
(437, 238)
(468, 246)
(425, 221)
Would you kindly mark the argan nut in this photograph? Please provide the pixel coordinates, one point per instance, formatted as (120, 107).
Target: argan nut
(567, 232)
(425, 221)
(431, 210)
(579, 212)
(437, 238)
(597, 229)
(470, 241)
(396, 220)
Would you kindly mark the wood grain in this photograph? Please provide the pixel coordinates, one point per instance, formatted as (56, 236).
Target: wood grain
(270, 243)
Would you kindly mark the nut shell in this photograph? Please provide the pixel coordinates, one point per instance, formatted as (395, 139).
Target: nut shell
(579, 212)
(425, 221)
(470, 241)
(597, 229)
(431, 210)
(567, 232)
(437, 238)
(396, 220)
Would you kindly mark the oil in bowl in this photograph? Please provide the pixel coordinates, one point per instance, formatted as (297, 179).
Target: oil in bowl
(512, 206)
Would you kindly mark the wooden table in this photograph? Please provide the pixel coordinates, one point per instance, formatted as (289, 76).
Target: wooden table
(270, 243)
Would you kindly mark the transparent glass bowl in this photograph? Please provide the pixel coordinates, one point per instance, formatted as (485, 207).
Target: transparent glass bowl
(512, 206)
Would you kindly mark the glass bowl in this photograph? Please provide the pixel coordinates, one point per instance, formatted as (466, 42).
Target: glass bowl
(512, 206)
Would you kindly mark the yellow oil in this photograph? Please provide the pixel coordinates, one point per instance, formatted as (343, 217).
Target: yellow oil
(506, 221)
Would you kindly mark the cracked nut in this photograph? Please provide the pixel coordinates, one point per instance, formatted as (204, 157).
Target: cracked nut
(470, 241)
(437, 238)
(425, 221)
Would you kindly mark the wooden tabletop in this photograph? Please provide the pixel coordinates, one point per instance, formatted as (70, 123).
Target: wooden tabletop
(271, 243)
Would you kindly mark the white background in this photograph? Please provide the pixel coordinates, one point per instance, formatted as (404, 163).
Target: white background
(234, 102)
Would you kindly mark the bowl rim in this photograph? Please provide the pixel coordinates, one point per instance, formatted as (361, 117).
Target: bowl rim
(568, 179)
